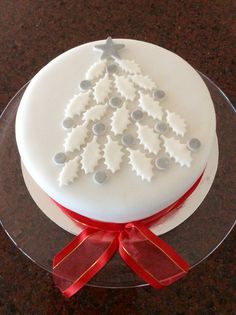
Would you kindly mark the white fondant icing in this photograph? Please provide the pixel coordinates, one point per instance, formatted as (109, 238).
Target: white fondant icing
(102, 89)
(96, 70)
(120, 120)
(112, 155)
(141, 164)
(69, 172)
(95, 113)
(150, 106)
(125, 87)
(90, 156)
(77, 104)
(176, 123)
(149, 139)
(129, 66)
(76, 138)
(143, 81)
(178, 151)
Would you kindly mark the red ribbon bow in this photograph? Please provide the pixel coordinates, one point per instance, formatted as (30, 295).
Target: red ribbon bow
(145, 253)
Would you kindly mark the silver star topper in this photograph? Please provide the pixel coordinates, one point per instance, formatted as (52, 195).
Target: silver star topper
(109, 49)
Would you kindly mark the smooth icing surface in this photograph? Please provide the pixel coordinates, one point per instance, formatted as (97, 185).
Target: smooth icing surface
(122, 197)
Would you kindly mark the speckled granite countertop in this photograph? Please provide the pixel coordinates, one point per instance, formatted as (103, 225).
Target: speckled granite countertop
(34, 32)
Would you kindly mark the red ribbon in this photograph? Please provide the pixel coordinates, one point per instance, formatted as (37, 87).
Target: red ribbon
(145, 253)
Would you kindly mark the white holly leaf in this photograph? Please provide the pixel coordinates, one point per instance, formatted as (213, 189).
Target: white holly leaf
(141, 164)
(176, 123)
(120, 120)
(69, 172)
(95, 113)
(128, 66)
(77, 104)
(178, 151)
(112, 155)
(150, 106)
(149, 139)
(90, 156)
(96, 70)
(143, 81)
(125, 87)
(102, 89)
(76, 138)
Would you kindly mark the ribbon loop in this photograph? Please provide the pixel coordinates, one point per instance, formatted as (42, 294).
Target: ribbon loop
(80, 260)
(150, 257)
(144, 252)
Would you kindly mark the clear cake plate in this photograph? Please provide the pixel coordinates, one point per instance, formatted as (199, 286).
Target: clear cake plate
(198, 235)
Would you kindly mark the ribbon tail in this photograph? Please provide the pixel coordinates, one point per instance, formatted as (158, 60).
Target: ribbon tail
(80, 260)
(149, 257)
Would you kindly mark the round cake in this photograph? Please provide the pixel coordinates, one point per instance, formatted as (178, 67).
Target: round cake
(116, 130)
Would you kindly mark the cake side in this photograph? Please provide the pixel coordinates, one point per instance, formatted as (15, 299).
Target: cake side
(124, 196)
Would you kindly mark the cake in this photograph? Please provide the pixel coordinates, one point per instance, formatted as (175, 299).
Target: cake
(116, 130)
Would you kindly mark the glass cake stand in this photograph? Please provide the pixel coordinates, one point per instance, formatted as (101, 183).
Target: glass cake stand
(40, 239)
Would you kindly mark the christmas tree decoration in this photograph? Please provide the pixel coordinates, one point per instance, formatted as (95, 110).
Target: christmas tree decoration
(159, 95)
(178, 151)
(77, 104)
(115, 102)
(109, 49)
(120, 120)
(176, 123)
(162, 163)
(99, 177)
(76, 138)
(193, 144)
(137, 115)
(68, 123)
(90, 156)
(112, 68)
(141, 164)
(150, 106)
(85, 85)
(125, 87)
(102, 89)
(129, 66)
(95, 113)
(69, 172)
(118, 114)
(127, 140)
(160, 127)
(60, 158)
(96, 70)
(143, 81)
(148, 139)
(98, 129)
(112, 155)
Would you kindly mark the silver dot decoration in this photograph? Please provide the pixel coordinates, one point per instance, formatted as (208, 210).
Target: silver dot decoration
(127, 140)
(99, 177)
(99, 129)
(162, 163)
(193, 144)
(59, 158)
(160, 127)
(112, 68)
(159, 95)
(115, 101)
(85, 85)
(68, 123)
(137, 115)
